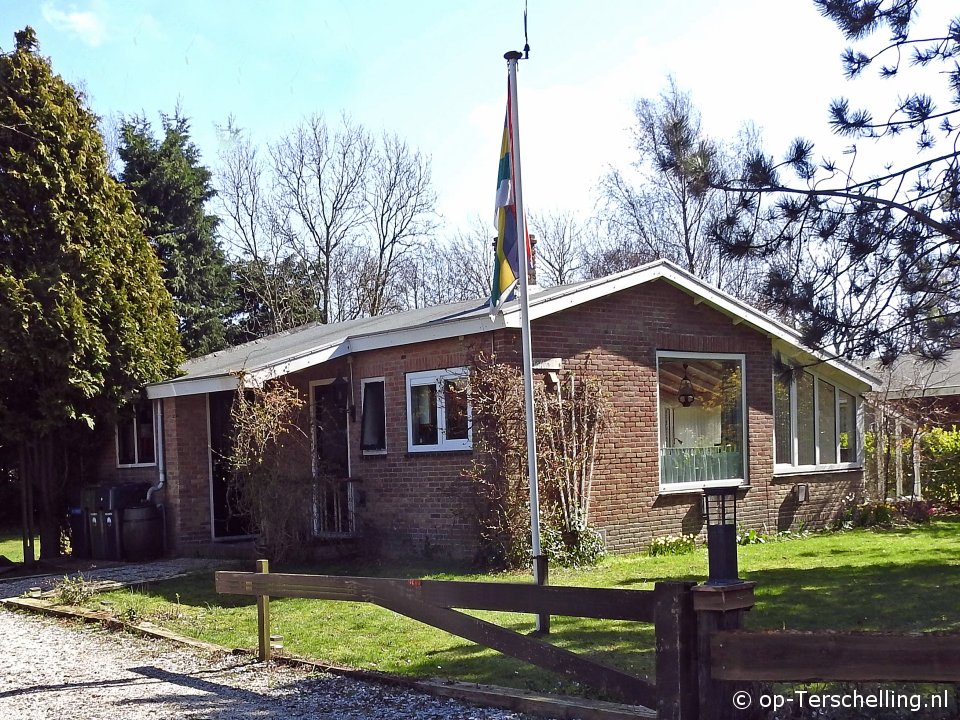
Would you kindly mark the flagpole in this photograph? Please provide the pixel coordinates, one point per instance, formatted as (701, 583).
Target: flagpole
(539, 560)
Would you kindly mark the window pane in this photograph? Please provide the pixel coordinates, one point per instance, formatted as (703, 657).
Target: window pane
(145, 432)
(126, 437)
(704, 440)
(455, 408)
(781, 417)
(423, 408)
(848, 427)
(805, 427)
(373, 428)
(827, 416)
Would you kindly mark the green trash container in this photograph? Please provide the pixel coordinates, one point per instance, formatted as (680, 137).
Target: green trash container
(142, 533)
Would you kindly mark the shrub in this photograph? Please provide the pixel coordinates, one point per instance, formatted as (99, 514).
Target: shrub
(672, 545)
(73, 591)
(941, 468)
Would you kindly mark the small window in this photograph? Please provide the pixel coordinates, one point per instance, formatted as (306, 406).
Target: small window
(438, 410)
(135, 436)
(373, 428)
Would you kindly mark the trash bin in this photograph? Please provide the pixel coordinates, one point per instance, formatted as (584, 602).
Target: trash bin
(104, 534)
(141, 535)
(79, 532)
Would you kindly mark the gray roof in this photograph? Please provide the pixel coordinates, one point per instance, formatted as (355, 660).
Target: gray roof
(313, 344)
(915, 376)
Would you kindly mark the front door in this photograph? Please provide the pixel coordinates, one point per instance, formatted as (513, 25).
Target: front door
(230, 519)
(331, 463)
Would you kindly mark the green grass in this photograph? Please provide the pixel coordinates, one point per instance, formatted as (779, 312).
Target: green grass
(895, 580)
(11, 546)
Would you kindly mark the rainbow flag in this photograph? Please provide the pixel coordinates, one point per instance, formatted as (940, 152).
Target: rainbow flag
(507, 262)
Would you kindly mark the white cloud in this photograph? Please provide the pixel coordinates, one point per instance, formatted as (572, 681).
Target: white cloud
(87, 25)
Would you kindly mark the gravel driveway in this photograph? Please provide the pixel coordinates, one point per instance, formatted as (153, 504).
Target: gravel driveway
(64, 671)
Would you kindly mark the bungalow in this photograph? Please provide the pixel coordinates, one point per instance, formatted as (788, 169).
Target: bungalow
(786, 428)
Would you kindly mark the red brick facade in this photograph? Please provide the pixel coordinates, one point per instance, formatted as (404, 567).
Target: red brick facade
(418, 503)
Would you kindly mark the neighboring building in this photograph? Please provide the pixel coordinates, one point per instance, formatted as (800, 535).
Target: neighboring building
(766, 415)
(913, 394)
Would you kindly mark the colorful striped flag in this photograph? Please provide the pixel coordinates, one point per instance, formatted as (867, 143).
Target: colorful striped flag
(507, 262)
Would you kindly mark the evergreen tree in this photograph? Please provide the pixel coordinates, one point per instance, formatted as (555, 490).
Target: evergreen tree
(170, 188)
(85, 320)
(868, 257)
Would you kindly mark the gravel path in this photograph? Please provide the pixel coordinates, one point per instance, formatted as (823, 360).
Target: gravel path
(59, 671)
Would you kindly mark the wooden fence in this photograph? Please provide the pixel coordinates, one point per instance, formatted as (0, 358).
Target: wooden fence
(703, 658)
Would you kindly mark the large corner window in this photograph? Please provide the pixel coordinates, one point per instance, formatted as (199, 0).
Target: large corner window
(702, 427)
(438, 410)
(815, 423)
(136, 444)
(373, 427)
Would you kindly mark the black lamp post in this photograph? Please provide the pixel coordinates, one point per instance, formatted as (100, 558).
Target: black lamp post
(720, 511)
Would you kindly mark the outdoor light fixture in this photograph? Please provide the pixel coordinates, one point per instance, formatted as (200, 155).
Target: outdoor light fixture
(803, 492)
(685, 394)
(720, 512)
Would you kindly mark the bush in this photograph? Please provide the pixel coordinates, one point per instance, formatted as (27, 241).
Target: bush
(750, 537)
(581, 548)
(941, 467)
(672, 545)
(885, 514)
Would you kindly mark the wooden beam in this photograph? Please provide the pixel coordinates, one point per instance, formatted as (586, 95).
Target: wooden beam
(588, 672)
(601, 603)
(825, 656)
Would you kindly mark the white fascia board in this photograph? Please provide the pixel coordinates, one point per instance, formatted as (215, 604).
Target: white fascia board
(914, 393)
(192, 386)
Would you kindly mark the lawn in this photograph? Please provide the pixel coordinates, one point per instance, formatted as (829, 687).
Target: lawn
(896, 580)
(11, 545)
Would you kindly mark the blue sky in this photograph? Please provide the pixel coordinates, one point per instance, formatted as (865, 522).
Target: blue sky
(433, 73)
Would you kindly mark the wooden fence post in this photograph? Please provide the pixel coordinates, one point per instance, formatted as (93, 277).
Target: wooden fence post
(719, 607)
(676, 637)
(263, 618)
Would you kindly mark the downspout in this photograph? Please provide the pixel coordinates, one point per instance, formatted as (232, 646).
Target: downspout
(161, 453)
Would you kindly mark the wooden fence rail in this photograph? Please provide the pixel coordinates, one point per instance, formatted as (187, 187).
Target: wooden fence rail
(782, 655)
(669, 606)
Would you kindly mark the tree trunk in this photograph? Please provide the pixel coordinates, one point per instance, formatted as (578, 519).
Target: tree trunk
(40, 469)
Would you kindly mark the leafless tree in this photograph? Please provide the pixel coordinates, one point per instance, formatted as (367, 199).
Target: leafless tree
(561, 239)
(319, 178)
(400, 212)
(263, 263)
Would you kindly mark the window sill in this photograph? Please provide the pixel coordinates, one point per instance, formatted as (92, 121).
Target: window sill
(135, 465)
(790, 470)
(698, 488)
(373, 453)
(417, 449)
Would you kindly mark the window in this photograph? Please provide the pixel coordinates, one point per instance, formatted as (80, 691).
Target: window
(702, 427)
(438, 410)
(135, 438)
(373, 423)
(815, 423)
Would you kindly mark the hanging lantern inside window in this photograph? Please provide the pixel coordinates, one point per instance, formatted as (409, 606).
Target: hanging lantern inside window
(685, 394)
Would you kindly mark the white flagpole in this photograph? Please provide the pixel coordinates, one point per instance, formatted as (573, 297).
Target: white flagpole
(539, 561)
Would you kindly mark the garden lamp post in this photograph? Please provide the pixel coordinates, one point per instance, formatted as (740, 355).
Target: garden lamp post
(720, 512)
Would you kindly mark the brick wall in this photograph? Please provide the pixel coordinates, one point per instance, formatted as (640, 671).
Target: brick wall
(419, 503)
(187, 494)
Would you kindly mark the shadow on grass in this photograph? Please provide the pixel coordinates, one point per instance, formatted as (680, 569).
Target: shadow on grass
(912, 598)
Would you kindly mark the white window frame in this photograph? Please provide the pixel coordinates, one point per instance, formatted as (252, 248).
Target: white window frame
(437, 378)
(154, 411)
(792, 468)
(686, 487)
(363, 391)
